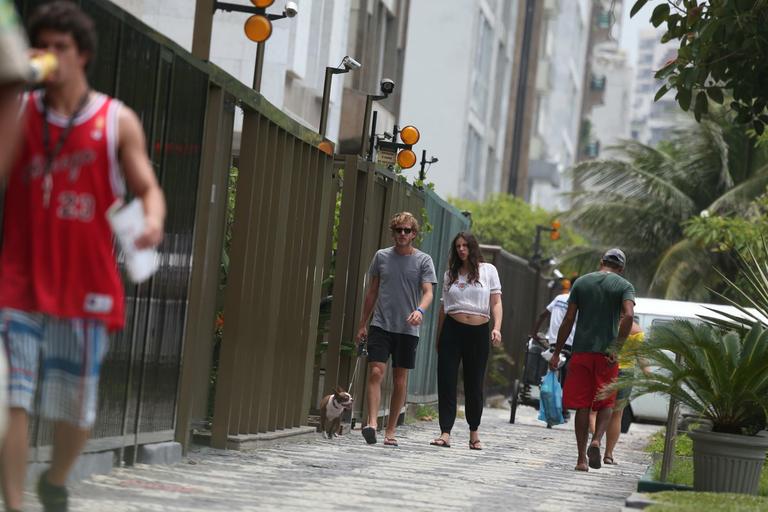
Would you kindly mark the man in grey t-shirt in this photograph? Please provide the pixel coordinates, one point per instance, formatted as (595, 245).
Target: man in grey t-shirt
(399, 291)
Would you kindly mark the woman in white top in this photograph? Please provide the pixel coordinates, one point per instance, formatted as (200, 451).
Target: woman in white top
(471, 297)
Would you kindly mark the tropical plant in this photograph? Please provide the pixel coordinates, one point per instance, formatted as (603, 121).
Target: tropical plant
(749, 291)
(720, 375)
(721, 55)
(641, 198)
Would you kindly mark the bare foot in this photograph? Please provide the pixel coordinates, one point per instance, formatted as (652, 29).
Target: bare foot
(582, 466)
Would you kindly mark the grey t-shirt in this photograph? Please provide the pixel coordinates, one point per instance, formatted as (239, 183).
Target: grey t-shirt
(400, 279)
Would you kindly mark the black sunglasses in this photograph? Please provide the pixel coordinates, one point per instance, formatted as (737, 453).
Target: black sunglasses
(407, 231)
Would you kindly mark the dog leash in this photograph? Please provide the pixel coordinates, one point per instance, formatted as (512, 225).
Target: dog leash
(362, 351)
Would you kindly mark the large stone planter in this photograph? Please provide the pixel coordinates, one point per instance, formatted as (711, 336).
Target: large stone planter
(728, 462)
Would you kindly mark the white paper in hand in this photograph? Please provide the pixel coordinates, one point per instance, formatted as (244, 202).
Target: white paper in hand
(128, 224)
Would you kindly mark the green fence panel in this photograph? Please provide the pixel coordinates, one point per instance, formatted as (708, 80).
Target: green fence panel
(445, 221)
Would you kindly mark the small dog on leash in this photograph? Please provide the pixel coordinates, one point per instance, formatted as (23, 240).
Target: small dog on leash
(331, 408)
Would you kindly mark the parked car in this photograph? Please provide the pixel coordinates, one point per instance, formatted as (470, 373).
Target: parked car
(650, 313)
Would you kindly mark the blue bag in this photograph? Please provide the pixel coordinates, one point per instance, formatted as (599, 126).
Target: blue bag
(551, 400)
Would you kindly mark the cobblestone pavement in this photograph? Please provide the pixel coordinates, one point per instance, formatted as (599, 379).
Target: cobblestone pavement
(523, 467)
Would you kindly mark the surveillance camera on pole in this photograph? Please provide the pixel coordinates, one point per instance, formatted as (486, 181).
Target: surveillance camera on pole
(347, 64)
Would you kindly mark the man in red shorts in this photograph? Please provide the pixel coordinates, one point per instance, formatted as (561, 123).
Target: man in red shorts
(605, 303)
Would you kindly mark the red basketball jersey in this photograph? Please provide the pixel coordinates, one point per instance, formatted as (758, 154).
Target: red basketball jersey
(58, 258)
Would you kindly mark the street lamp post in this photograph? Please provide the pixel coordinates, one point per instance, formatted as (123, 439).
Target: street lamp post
(347, 64)
(258, 27)
(535, 261)
(424, 163)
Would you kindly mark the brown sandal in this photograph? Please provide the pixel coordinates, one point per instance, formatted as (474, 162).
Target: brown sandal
(475, 445)
(440, 442)
(390, 441)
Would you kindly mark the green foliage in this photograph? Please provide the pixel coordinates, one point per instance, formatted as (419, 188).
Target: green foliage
(230, 220)
(510, 222)
(680, 472)
(749, 290)
(642, 198)
(425, 412)
(730, 233)
(683, 444)
(672, 501)
(499, 369)
(721, 375)
(721, 52)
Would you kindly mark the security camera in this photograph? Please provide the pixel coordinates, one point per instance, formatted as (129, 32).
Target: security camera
(350, 64)
(387, 85)
(291, 9)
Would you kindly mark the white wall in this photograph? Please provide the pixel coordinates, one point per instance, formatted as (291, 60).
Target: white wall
(443, 40)
(436, 86)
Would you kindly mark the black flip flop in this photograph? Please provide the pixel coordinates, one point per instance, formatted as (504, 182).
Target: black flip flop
(369, 433)
(593, 454)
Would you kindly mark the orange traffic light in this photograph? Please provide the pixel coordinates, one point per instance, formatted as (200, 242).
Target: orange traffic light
(258, 28)
(262, 4)
(410, 135)
(406, 159)
(554, 234)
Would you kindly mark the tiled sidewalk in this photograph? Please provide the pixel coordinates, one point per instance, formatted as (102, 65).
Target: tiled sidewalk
(523, 467)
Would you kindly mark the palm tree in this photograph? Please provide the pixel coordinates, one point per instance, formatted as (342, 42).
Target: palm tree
(640, 199)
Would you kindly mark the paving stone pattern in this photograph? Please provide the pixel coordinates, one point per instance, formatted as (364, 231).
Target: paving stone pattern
(523, 467)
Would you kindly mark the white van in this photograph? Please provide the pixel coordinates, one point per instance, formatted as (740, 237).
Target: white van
(650, 313)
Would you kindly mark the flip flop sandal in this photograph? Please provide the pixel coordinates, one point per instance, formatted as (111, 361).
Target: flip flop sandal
(593, 454)
(473, 445)
(369, 433)
(609, 461)
(440, 442)
(390, 441)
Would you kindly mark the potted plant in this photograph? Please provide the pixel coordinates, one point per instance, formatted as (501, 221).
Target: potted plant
(722, 375)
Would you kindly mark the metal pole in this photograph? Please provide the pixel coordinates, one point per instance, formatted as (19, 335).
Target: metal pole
(422, 172)
(536, 259)
(372, 141)
(201, 35)
(258, 66)
(520, 101)
(366, 120)
(671, 435)
(326, 100)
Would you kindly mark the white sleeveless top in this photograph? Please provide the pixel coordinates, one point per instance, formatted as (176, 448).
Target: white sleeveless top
(474, 298)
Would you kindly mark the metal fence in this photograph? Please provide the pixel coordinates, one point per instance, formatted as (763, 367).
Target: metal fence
(187, 109)
(369, 198)
(518, 284)
(138, 394)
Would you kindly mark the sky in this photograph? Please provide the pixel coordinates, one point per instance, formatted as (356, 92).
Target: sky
(630, 27)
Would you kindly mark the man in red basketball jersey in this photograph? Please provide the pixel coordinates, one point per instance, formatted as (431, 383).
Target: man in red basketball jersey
(60, 289)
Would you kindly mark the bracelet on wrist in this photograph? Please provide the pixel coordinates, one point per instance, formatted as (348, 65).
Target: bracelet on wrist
(420, 311)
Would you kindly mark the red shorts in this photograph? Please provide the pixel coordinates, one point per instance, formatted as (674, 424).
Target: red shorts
(588, 373)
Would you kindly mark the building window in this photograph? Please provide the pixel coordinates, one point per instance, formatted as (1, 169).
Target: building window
(472, 166)
(597, 83)
(482, 68)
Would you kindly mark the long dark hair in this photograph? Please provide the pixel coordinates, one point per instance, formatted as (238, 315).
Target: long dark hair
(474, 259)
